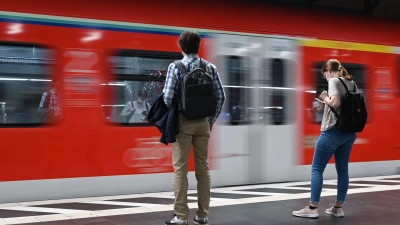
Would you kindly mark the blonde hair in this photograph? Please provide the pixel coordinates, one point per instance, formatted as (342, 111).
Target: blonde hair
(335, 66)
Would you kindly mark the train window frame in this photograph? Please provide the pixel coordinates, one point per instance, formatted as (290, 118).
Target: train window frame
(232, 84)
(120, 77)
(47, 76)
(362, 86)
(269, 66)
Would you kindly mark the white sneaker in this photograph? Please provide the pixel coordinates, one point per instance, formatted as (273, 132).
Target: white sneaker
(307, 212)
(337, 212)
(176, 220)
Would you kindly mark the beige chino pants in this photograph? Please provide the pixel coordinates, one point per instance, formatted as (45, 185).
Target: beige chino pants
(196, 133)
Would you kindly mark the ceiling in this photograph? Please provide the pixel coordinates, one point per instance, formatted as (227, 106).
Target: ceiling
(377, 8)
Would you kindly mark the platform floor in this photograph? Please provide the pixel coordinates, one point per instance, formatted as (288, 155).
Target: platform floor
(371, 200)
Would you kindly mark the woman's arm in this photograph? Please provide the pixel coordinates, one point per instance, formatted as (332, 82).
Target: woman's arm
(333, 101)
(127, 110)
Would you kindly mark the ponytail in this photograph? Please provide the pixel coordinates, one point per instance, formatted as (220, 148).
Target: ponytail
(334, 65)
(343, 73)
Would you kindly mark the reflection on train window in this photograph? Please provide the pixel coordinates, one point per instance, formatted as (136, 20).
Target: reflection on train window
(24, 83)
(274, 109)
(358, 72)
(140, 78)
(238, 110)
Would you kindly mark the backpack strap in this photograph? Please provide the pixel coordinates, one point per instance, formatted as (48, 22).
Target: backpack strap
(203, 65)
(345, 86)
(333, 110)
(181, 66)
(183, 70)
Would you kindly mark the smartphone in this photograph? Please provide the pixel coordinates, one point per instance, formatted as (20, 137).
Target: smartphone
(319, 100)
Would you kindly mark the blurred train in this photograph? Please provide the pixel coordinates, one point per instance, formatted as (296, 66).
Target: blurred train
(269, 58)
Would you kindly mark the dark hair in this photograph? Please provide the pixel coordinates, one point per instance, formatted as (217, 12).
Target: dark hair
(334, 65)
(190, 42)
(142, 93)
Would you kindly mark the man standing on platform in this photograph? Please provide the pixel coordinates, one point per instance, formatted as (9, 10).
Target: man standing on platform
(194, 132)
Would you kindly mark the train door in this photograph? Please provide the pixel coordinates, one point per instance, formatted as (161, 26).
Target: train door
(278, 108)
(232, 151)
(253, 133)
(397, 99)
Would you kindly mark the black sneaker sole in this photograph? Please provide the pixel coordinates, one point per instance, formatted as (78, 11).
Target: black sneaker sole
(198, 223)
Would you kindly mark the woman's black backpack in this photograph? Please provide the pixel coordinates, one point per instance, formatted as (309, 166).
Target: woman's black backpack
(353, 115)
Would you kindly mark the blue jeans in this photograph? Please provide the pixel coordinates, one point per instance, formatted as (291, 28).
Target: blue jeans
(332, 142)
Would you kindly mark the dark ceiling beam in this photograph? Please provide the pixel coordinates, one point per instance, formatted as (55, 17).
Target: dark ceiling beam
(311, 1)
(369, 7)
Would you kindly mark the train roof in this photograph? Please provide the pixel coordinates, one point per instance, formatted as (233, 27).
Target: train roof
(233, 16)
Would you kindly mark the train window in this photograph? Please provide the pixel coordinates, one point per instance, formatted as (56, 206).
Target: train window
(139, 80)
(238, 100)
(24, 83)
(358, 71)
(275, 100)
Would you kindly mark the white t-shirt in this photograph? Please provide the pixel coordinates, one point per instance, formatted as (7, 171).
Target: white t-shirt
(137, 115)
(335, 87)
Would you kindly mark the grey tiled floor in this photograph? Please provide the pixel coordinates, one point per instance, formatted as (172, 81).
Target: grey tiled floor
(369, 208)
(360, 209)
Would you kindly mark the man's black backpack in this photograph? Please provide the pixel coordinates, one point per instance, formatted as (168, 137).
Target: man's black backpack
(353, 115)
(197, 95)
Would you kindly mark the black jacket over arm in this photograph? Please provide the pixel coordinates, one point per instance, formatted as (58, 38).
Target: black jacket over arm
(166, 119)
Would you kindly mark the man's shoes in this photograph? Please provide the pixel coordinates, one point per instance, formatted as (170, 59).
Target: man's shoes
(176, 220)
(306, 212)
(200, 220)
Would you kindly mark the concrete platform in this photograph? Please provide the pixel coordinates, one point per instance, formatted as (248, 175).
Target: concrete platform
(371, 200)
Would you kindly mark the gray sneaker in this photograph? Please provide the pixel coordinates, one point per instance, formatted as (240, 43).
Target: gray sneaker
(337, 212)
(199, 220)
(307, 212)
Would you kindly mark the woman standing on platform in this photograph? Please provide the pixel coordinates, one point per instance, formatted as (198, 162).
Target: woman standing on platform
(331, 142)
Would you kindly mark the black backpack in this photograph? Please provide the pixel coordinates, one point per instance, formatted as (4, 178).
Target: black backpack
(353, 115)
(197, 95)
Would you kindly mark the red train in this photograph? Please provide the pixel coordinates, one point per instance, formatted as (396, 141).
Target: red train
(269, 58)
